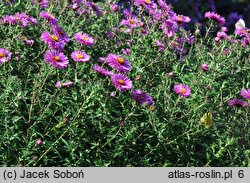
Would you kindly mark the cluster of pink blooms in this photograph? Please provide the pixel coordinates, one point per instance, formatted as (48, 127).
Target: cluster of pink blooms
(160, 15)
(243, 32)
(245, 93)
(84, 7)
(18, 18)
(120, 64)
(221, 35)
(42, 3)
(57, 40)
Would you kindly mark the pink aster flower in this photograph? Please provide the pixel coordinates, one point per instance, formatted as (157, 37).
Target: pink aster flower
(144, 2)
(84, 39)
(60, 33)
(245, 93)
(38, 142)
(5, 55)
(50, 18)
(79, 56)
(8, 19)
(181, 19)
(58, 84)
(204, 67)
(182, 90)
(53, 41)
(164, 6)
(56, 59)
(121, 82)
(118, 63)
(42, 3)
(115, 7)
(237, 103)
(131, 22)
(170, 27)
(142, 97)
(215, 16)
(102, 71)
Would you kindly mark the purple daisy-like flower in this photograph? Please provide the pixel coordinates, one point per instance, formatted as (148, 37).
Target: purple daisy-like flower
(118, 63)
(245, 93)
(5, 55)
(79, 56)
(56, 59)
(58, 31)
(102, 71)
(142, 98)
(84, 39)
(131, 22)
(163, 5)
(212, 15)
(50, 18)
(8, 19)
(115, 7)
(182, 90)
(121, 82)
(53, 41)
(237, 103)
(181, 19)
(42, 3)
(169, 27)
(146, 3)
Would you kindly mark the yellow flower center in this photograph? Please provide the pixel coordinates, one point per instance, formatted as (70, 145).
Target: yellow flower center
(54, 38)
(148, 1)
(182, 90)
(120, 60)
(80, 56)
(1, 55)
(121, 82)
(180, 18)
(24, 38)
(132, 21)
(56, 58)
(152, 108)
(143, 30)
(85, 38)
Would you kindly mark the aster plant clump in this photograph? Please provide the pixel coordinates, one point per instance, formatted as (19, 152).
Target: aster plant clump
(122, 83)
